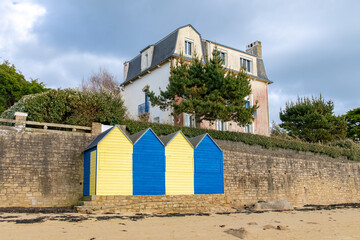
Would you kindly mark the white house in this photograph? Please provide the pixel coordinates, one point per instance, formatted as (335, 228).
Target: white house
(151, 69)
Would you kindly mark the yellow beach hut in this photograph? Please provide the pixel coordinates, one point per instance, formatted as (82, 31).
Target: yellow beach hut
(108, 164)
(179, 167)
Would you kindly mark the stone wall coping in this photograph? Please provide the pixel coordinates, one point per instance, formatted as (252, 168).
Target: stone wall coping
(22, 114)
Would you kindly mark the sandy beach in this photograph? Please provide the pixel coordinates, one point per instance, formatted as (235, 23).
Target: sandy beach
(320, 224)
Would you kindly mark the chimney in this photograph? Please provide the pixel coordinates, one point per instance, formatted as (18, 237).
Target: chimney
(255, 48)
(126, 69)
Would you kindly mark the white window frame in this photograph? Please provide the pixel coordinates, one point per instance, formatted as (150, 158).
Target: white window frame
(225, 56)
(250, 128)
(191, 42)
(221, 126)
(147, 59)
(189, 120)
(250, 64)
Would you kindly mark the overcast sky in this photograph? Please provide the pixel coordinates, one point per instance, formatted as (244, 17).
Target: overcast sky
(309, 47)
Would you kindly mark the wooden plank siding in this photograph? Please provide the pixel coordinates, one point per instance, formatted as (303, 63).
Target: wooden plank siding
(148, 165)
(93, 172)
(179, 173)
(114, 169)
(208, 176)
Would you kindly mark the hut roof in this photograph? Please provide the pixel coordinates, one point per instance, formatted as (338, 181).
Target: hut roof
(102, 135)
(196, 140)
(136, 136)
(168, 138)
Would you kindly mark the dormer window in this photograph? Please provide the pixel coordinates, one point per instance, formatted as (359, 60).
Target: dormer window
(147, 60)
(246, 64)
(146, 57)
(188, 47)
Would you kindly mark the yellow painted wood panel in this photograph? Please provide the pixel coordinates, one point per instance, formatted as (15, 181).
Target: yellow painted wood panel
(115, 183)
(115, 161)
(115, 165)
(92, 172)
(179, 155)
(179, 175)
(178, 183)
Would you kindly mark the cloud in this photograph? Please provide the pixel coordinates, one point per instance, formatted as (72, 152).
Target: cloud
(67, 69)
(309, 47)
(27, 49)
(17, 22)
(277, 99)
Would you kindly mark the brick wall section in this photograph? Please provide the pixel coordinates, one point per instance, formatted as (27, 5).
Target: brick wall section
(41, 169)
(38, 169)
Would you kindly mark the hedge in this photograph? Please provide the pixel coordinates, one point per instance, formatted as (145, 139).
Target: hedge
(69, 106)
(347, 149)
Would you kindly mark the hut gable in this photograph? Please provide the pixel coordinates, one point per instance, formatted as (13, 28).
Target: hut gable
(208, 166)
(195, 141)
(102, 135)
(148, 164)
(135, 137)
(179, 172)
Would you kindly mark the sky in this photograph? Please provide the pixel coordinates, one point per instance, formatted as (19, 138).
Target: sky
(309, 47)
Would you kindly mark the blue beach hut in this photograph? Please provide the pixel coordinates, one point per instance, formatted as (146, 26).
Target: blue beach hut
(148, 163)
(208, 166)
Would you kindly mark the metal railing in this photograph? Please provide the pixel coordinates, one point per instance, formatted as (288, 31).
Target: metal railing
(143, 108)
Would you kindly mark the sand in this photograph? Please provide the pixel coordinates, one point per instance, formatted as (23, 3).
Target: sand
(324, 224)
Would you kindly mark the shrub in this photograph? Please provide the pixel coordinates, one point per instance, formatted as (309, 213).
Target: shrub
(336, 150)
(69, 106)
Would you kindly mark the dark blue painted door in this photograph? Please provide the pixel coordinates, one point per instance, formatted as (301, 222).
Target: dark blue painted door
(86, 183)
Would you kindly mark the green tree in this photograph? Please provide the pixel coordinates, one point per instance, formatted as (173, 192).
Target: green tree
(313, 120)
(206, 90)
(353, 121)
(69, 106)
(13, 86)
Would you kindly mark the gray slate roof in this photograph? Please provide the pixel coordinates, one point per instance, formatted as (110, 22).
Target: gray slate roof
(95, 142)
(136, 136)
(166, 139)
(101, 136)
(261, 73)
(196, 140)
(165, 48)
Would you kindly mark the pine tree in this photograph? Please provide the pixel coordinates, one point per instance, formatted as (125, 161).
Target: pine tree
(207, 90)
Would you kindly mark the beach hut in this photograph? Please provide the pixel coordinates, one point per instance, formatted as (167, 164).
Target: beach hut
(148, 163)
(179, 171)
(208, 165)
(108, 164)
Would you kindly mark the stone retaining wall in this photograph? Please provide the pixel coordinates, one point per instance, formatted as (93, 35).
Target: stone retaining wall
(46, 169)
(41, 169)
(252, 173)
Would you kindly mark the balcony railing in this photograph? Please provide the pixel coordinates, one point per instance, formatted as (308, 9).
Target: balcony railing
(143, 108)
